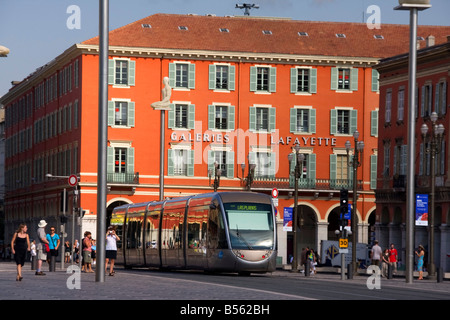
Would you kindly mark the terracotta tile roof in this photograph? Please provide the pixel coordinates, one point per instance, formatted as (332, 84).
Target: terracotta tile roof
(246, 35)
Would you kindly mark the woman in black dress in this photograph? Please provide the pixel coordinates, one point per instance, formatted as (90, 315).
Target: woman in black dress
(20, 244)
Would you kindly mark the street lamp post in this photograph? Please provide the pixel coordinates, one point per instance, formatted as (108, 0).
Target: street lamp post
(297, 172)
(356, 162)
(250, 175)
(413, 6)
(434, 140)
(217, 174)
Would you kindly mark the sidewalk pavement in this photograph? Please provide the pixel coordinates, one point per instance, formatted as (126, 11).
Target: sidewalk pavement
(125, 285)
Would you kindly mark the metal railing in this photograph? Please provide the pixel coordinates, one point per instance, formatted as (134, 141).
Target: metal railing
(123, 178)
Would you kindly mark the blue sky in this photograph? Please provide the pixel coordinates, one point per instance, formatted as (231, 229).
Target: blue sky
(36, 31)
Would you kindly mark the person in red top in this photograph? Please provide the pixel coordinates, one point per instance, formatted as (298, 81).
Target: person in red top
(393, 258)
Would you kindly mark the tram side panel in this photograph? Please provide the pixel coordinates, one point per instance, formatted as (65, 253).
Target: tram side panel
(133, 241)
(152, 236)
(172, 252)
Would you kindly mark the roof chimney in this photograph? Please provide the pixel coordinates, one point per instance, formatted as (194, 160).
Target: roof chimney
(430, 41)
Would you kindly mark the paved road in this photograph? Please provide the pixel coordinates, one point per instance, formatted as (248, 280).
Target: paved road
(197, 288)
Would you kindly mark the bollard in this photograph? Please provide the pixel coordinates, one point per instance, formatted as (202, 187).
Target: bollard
(440, 274)
(390, 270)
(349, 271)
(52, 264)
(307, 267)
(33, 262)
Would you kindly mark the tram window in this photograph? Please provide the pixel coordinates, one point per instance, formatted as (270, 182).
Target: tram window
(197, 223)
(152, 226)
(251, 225)
(216, 230)
(134, 233)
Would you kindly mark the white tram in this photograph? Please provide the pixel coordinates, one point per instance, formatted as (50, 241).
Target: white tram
(217, 232)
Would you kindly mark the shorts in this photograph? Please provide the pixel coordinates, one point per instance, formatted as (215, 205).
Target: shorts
(41, 255)
(111, 254)
(87, 257)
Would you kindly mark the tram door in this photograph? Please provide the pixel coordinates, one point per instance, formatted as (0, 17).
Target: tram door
(172, 254)
(197, 223)
(152, 241)
(133, 241)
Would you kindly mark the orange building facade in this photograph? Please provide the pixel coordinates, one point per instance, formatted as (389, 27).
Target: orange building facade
(236, 99)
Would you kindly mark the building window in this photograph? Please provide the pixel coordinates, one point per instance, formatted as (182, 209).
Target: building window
(180, 162)
(221, 77)
(120, 163)
(343, 121)
(225, 161)
(221, 117)
(388, 107)
(265, 164)
(263, 79)
(182, 75)
(440, 105)
(303, 80)
(121, 72)
(387, 158)
(181, 116)
(121, 113)
(120, 160)
(344, 79)
(426, 102)
(401, 105)
(303, 120)
(262, 119)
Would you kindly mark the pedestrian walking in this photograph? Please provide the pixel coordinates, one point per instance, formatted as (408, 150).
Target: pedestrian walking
(420, 253)
(393, 258)
(111, 249)
(41, 240)
(376, 253)
(20, 244)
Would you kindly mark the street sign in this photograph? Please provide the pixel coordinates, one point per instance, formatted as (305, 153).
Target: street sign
(274, 193)
(343, 243)
(73, 180)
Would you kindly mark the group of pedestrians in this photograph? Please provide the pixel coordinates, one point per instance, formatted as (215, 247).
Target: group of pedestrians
(384, 258)
(48, 244)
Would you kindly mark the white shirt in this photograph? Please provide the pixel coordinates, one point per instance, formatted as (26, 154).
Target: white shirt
(111, 242)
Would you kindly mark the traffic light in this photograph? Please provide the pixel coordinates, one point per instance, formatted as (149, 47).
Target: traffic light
(344, 199)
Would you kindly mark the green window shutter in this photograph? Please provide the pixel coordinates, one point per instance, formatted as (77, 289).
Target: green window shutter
(191, 116)
(374, 123)
(422, 103)
(252, 117)
(212, 77)
(191, 82)
(171, 117)
(110, 160)
(230, 164)
(312, 169)
(111, 107)
(334, 78)
(190, 168)
(232, 78)
(132, 73)
(421, 160)
(354, 79)
(272, 119)
(111, 71)
(253, 78)
(436, 99)
(170, 162)
(312, 121)
(272, 79)
(375, 80)
(130, 160)
(333, 169)
(353, 121)
(373, 171)
(231, 116)
(172, 75)
(293, 119)
(211, 117)
(131, 112)
(333, 121)
(312, 80)
(294, 79)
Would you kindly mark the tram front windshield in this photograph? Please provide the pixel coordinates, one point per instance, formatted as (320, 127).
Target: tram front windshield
(251, 225)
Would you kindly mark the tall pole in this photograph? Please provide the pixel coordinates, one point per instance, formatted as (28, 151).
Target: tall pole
(161, 156)
(102, 138)
(411, 147)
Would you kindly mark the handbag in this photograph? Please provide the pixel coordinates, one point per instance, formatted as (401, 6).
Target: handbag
(45, 247)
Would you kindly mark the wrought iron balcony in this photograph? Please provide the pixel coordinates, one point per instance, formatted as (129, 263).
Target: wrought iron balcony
(123, 178)
(304, 183)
